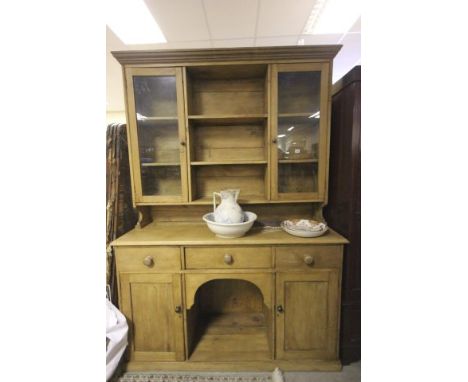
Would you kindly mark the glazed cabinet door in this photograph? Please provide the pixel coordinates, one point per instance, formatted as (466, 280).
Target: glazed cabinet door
(152, 304)
(299, 132)
(307, 315)
(157, 134)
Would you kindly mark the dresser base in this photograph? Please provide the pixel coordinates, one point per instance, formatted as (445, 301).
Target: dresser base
(299, 365)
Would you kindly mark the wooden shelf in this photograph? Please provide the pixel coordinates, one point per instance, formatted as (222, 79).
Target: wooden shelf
(243, 199)
(151, 119)
(281, 161)
(160, 164)
(225, 118)
(232, 336)
(286, 115)
(205, 163)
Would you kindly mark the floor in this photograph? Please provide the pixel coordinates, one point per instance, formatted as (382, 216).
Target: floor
(350, 373)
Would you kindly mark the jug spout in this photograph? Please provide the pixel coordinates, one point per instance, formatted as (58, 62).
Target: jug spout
(228, 194)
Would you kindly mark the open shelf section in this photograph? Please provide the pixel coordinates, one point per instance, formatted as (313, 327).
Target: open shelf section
(227, 91)
(232, 336)
(235, 141)
(251, 179)
(206, 163)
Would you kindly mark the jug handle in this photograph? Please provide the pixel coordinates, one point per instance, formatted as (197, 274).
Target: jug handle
(214, 199)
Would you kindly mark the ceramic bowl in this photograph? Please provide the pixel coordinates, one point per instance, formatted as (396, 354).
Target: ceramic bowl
(230, 231)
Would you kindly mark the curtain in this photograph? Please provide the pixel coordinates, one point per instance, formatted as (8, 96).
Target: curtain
(120, 214)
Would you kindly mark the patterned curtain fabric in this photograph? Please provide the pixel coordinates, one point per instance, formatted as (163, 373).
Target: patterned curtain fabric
(120, 214)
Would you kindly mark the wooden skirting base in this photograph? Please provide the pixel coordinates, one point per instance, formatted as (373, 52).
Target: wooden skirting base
(302, 365)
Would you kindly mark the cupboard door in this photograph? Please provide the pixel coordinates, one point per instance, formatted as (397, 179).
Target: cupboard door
(299, 131)
(152, 304)
(307, 315)
(157, 134)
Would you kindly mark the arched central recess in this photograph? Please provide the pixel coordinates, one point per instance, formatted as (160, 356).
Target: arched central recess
(229, 321)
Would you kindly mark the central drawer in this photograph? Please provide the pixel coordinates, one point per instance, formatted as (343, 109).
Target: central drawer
(227, 257)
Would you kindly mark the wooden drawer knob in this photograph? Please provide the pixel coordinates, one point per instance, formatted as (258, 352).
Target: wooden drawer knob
(148, 261)
(228, 259)
(309, 260)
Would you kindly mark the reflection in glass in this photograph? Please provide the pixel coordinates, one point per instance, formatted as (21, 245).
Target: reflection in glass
(298, 138)
(155, 96)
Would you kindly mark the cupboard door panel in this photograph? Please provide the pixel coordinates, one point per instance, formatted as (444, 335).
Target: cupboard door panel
(311, 329)
(307, 315)
(299, 134)
(149, 302)
(157, 134)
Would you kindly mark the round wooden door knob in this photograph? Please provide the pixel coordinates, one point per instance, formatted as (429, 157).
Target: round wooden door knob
(309, 260)
(148, 261)
(228, 259)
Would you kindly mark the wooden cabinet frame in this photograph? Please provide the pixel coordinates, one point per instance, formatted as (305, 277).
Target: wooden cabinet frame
(326, 348)
(323, 68)
(134, 151)
(271, 131)
(129, 307)
(231, 288)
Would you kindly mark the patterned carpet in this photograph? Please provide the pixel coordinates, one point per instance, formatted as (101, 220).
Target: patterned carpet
(192, 377)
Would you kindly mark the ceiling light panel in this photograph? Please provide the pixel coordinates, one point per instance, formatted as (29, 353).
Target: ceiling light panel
(332, 16)
(133, 23)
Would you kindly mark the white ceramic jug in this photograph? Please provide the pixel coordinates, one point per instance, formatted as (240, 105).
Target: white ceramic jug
(228, 211)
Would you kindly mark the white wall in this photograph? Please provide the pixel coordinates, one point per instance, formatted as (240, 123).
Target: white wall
(115, 117)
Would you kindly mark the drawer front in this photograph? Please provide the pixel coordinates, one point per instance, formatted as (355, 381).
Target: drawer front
(147, 259)
(227, 257)
(309, 257)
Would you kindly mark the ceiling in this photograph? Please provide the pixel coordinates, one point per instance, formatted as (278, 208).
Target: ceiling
(231, 23)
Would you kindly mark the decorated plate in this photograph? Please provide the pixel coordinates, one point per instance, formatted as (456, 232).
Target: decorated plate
(304, 227)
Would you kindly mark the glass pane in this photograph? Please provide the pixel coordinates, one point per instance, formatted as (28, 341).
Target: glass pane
(158, 135)
(155, 96)
(298, 131)
(298, 138)
(161, 180)
(297, 177)
(298, 92)
(158, 141)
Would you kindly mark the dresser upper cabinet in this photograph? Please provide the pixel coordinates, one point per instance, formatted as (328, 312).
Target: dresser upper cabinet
(299, 131)
(157, 133)
(258, 125)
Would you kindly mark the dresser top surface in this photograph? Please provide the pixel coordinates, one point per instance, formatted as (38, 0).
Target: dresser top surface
(199, 234)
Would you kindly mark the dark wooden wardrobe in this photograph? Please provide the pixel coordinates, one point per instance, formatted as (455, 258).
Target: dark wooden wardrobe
(343, 212)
